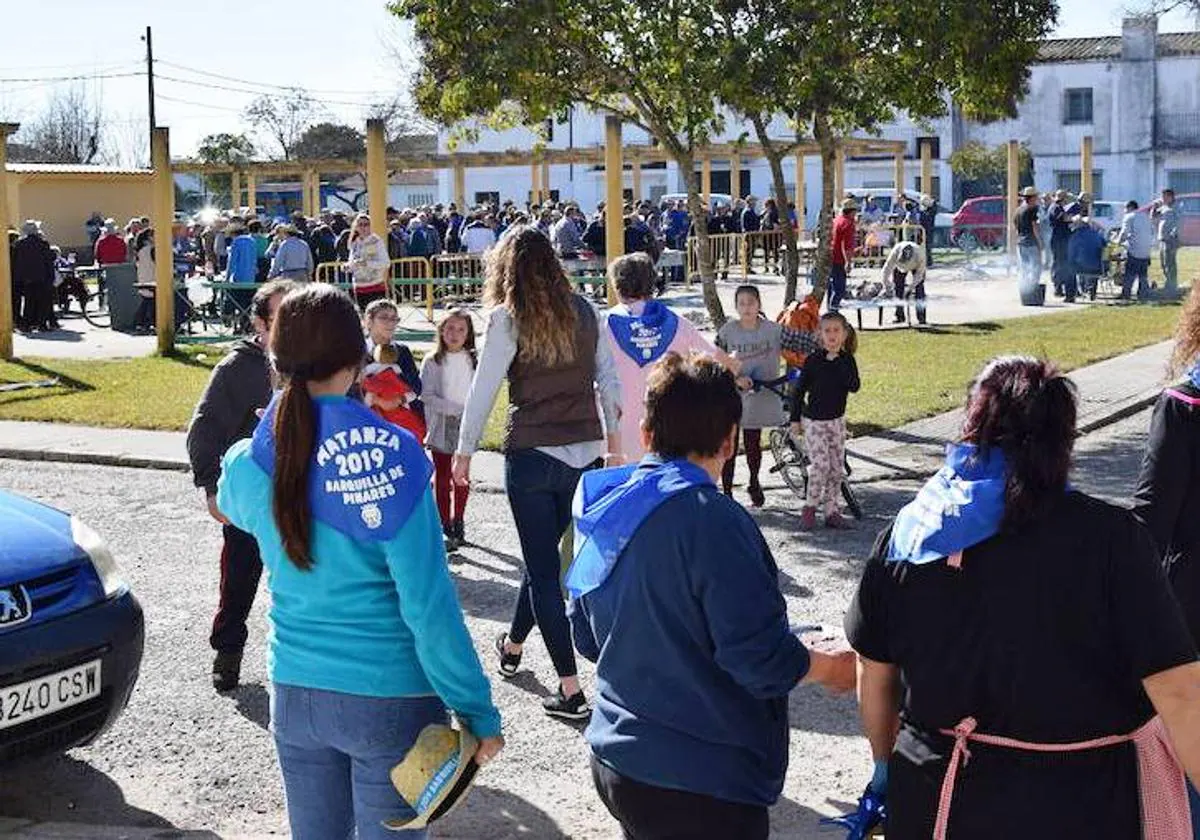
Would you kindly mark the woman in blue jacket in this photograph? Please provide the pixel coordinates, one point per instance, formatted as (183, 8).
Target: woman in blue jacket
(367, 644)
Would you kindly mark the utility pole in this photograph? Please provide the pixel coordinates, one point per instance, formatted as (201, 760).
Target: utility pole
(150, 77)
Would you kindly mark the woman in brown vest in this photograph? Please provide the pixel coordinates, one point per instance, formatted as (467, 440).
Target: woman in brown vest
(546, 340)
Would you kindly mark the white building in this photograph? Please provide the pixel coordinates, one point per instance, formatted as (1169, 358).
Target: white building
(1136, 94)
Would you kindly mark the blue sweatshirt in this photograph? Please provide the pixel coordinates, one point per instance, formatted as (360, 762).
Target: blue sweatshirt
(379, 619)
(1085, 250)
(243, 260)
(694, 655)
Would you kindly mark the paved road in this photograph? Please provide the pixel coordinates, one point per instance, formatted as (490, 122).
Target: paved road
(184, 757)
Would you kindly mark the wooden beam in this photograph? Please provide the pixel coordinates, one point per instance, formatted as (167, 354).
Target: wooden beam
(927, 167)
(6, 310)
(235, 190)
(614, 199)
(251, 191)
(636, 168)
(899, 172)
(1085, 167)
(535, 183)
(545, 181)
(1014, 174)
(377, 178)
(801, 200)
(460, 187)
(164, 219)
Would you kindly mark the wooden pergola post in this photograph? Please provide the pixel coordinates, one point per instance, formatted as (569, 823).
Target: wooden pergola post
(636, 166)
(735, 176)
(235, 190)
(545, 181)
(252, 193)
(706, 181)
(614, 196)
(1014, 176)
(377, 178)
(899, 171)
(801, 197)
(1085, 167)
(927, 168)
(839, 173)
(6, 312)
(164, 219)
(535, 183)
(460, 187)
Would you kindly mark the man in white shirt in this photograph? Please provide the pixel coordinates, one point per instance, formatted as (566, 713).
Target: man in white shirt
(566, 236)
(906, 259)
(1167, 216)
(1137, 235)
(480, 235)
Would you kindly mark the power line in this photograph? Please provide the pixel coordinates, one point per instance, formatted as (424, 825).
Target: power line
(87, 78)
(272, 86)
(198, 104)
(214, 86)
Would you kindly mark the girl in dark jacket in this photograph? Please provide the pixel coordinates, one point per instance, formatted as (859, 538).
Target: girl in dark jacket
(1168, 492)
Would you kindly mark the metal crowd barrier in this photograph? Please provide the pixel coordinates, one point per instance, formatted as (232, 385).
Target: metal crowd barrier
(876, 240)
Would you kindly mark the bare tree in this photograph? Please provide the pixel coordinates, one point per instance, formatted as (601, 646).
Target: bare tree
(284, 117)
(69, 127)
(126, 142)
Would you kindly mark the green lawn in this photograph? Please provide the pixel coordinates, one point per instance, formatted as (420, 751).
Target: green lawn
(907, 374)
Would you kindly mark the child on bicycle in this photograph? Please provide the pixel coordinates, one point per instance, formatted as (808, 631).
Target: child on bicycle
(829, 377)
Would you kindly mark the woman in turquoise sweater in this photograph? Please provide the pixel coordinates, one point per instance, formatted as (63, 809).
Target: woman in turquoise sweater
(367, 642)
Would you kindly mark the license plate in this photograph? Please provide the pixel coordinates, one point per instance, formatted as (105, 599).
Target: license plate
(46, 695)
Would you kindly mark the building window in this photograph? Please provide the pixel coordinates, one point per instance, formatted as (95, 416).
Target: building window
(549, 131)
(1184, 180)
(937, 185)
(935, 147)
(1070, 181)
(1077, 106)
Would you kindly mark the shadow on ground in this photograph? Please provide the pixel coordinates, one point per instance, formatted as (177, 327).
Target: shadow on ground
(498, 815)
(67, 790)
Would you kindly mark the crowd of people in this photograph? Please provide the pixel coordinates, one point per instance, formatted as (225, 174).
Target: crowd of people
(1058, 230)
(625, 425)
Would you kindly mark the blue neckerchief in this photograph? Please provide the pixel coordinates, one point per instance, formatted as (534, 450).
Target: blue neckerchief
(366, 475)
(959, 507)
(610, 505)
(644, 338)
(1193, 375)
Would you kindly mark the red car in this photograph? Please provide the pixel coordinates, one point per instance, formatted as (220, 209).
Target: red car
(979, 223)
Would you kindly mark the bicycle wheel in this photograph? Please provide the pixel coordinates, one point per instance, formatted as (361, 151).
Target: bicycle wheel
(790, 461)
(852, 503)
(95, 310)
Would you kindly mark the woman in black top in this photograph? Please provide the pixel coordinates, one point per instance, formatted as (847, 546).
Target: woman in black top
(1003, 603)
(1167, 499)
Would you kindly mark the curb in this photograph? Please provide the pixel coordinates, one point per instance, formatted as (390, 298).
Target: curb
(100, 459)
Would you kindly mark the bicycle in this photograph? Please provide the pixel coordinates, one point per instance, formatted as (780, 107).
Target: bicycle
(791, 461)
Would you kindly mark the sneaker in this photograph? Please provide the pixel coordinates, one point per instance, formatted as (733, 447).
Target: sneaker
(509, 663)
(757, 497)
(838, 522)
(808, 519)
(574, 707)
(227, 670)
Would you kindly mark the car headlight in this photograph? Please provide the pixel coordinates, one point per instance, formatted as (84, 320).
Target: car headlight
(102, 559)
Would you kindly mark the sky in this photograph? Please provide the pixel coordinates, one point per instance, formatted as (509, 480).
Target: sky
(213, 58)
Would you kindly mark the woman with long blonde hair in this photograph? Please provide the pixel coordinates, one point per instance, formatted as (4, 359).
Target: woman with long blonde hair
(546, 340)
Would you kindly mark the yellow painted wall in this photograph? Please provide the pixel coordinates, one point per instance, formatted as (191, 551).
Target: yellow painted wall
(63, 203)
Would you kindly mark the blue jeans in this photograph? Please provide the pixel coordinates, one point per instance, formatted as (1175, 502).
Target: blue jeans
(1139, 270)
(1194, 801)
(336, 751)
(1031, 265)
(540, 489)
(837, 286)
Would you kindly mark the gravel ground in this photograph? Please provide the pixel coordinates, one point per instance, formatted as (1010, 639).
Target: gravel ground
(183, 757)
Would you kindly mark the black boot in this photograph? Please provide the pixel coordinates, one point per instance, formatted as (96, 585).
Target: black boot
(227, 670)
(460, 533)
(450, 534)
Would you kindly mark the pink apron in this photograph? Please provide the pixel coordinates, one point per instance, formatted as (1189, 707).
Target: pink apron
(1161, 782)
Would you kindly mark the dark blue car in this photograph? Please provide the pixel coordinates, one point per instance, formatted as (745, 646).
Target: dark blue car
(71, 632)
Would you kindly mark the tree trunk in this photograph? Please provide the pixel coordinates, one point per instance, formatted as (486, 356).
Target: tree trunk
(791, 256)
(824, 137)
(699, 213)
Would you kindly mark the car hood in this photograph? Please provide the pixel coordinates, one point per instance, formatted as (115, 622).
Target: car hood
(34, 539)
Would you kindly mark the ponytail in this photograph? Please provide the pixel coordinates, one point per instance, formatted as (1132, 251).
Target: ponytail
(295, 435)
